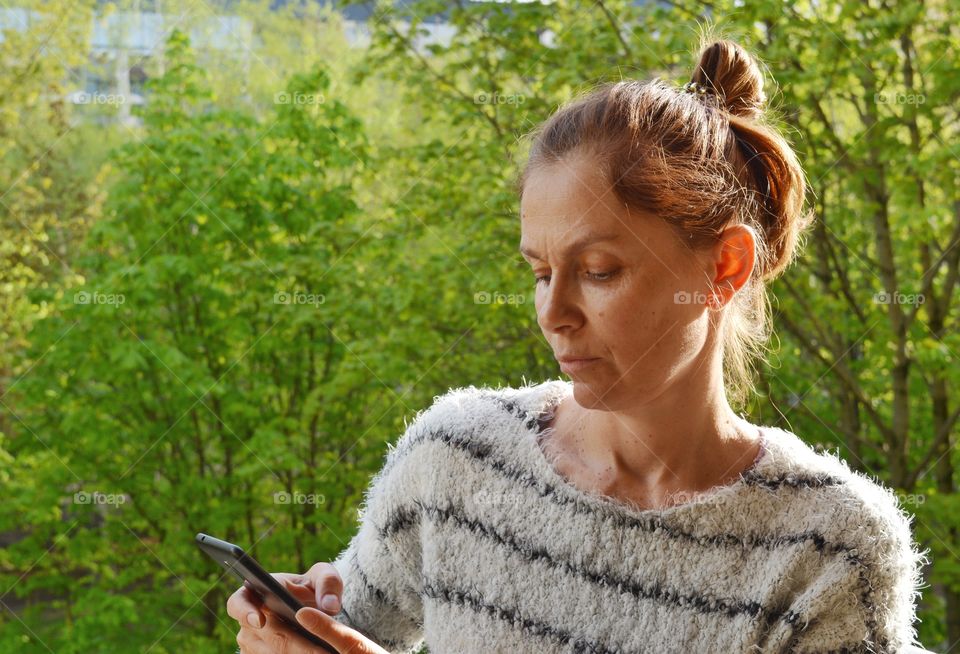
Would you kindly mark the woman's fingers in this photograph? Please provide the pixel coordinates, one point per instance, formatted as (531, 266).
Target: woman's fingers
(276, 637)
(244, 607)
(261, 631)
(343, 639)
(328, 587)
(302, 590)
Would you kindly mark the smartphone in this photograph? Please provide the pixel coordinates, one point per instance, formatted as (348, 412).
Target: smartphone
(273, 593)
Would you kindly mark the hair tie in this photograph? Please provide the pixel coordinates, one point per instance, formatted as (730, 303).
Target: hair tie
(693, 87)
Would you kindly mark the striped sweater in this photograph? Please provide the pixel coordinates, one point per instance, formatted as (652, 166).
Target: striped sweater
(471, 542)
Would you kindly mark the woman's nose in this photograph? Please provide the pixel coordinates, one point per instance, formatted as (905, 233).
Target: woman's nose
(557, 308)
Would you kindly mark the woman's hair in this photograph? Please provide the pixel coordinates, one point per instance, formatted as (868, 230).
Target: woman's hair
(701, 161)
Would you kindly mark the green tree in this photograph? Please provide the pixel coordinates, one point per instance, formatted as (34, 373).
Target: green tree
(203, 368)
(48, 174)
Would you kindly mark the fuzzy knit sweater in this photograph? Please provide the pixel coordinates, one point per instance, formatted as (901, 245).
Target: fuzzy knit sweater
(470, 542)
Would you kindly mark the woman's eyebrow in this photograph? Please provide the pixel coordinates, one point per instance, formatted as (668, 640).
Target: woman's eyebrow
(574, 247)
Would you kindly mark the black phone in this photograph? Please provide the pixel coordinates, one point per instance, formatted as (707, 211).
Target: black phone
(277, 598)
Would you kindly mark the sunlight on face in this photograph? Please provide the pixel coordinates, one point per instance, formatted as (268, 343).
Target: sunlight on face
(611, 284)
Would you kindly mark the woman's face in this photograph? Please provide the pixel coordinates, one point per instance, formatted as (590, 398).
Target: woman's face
(613, 285)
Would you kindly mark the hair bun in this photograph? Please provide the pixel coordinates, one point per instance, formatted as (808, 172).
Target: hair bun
(728, 71)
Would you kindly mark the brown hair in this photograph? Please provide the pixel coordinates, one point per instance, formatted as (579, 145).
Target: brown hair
(701, 162)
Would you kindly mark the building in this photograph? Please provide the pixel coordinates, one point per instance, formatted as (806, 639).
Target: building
(125, 45)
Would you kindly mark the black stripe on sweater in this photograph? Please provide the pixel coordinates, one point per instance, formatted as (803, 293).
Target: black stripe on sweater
(474, 601)
(704, 604)
(379, 593)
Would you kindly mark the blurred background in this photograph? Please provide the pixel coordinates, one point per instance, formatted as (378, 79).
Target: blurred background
(243, 243)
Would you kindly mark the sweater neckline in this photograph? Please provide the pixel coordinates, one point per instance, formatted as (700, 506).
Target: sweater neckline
(543, 409)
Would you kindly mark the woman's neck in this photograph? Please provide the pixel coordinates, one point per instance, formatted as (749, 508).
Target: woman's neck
(601, 449)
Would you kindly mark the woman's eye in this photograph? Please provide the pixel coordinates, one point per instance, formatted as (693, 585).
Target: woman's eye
(602, 277)
(595, 276)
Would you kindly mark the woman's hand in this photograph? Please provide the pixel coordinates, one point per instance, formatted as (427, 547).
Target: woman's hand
(341, 637)
(262, 632)
(275, 637)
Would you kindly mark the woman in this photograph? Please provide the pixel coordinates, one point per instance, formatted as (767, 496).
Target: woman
(631, 510)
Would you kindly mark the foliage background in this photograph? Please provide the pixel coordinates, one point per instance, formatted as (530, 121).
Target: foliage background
(248, 295)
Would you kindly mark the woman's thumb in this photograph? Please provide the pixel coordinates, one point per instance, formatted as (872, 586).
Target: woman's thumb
(340, 636)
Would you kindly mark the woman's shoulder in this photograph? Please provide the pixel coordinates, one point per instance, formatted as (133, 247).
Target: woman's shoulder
(475, 412)
(844, 504)
(463, 405)
(855, 516)
(792, 461)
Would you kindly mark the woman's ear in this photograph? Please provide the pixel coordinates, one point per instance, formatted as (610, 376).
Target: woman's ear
(734, 259)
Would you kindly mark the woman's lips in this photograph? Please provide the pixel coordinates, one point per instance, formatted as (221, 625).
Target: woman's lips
(575, 365)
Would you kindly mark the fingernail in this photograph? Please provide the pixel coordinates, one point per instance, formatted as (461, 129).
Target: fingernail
(330, 603)
(254, 619)
(303, 616)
